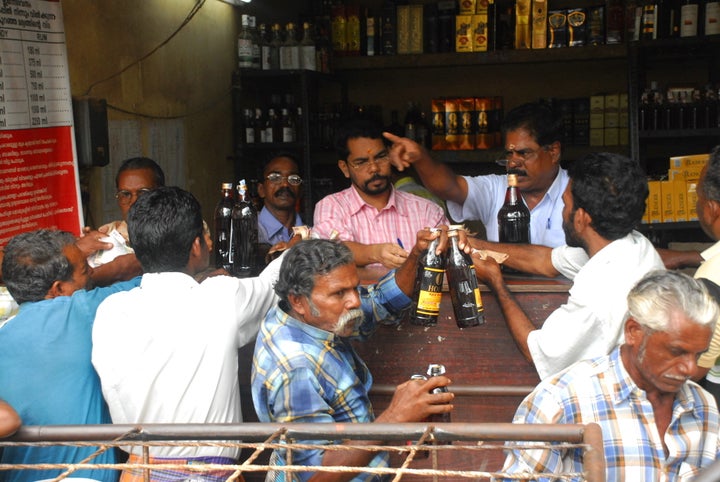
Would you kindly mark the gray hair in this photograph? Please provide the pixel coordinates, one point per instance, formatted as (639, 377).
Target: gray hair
(34, 261)
(659, 294)
(305, 261)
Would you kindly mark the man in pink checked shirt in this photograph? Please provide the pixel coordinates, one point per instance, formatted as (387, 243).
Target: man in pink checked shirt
(374, 220)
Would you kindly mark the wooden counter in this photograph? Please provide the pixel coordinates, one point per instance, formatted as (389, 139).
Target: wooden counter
(483, 356)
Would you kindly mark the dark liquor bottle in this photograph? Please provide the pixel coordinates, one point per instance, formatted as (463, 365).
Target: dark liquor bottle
(244, 233)
(463, 284)
(514, 217)
(223, 228)
(428, 292)
(435, 370)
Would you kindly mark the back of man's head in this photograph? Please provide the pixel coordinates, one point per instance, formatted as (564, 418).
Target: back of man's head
(305, 261)
(163, 225)
(137, 163)
(612, 189)
(538, 119)
(711, 179)
(34, 261)
(660, 294)
(355, 129)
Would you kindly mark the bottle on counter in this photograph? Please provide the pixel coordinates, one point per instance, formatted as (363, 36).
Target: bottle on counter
(463, 284)
(222, 244)
(514, 216)
(244, 233)
(428, 291)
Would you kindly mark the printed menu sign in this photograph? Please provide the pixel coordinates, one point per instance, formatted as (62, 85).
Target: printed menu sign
(38, 170)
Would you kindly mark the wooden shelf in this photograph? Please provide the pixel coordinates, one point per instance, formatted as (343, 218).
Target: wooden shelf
(679, 133)
(454, 59)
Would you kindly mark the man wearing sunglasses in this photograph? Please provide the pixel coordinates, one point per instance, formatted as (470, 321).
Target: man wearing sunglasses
(280, 191)
(533, 137)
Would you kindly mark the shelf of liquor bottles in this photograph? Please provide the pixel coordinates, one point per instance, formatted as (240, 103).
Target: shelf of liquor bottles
(497, 57)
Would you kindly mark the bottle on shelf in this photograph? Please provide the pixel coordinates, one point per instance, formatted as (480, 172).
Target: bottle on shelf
(463, 284)
(712, 18)
(649, 26)
(290, 49)
(259, 126)
(339, 29)
(412, 121)
(248, 127)
(265, 49)
(244, 233)
(395, 127)
(428, 286)
(287, 124)
(274, 47)
(222, 244)
(689, 16)
(308, 59)
(270, 127)
(245, 44)
(255, 36)
(352, 29)
(514, 216)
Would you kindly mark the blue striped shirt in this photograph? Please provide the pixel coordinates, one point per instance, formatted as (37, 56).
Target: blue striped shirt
(601, 391)
(304, 374)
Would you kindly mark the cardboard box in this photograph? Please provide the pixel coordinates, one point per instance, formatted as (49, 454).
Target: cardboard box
(654, 211)
(437, 107)
(463, 33)
(523, 38)
(597, 137)
(691, 199)
(403, 29)
(597, 112)
(689, 166)
(466, 120)
(415, 37)
(667, 208)
(539, 24)
(577, 26)
(480, 32)
(624, 136)
(612, 111)
(557, 29)
(623, 119)
(467, 7)
(680, 199)
(612, 136)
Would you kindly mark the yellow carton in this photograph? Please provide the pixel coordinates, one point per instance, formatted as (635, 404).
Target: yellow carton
(689, 166)
(597, 112)
(463, 33)
(691, 200)
(654, 211)
(415, 37)
(612, 111)
(612, 136)
(480, 32)
(597, 137)
(403, 29)
(680, 199)
(667, 210)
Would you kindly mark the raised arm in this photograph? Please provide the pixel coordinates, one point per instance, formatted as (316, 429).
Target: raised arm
(435, 176)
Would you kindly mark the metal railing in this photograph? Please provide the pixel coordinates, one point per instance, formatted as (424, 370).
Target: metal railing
(267, 436)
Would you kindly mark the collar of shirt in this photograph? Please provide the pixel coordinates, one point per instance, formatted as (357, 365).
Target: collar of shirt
(556, 189)
(394, 202)
(273, 226)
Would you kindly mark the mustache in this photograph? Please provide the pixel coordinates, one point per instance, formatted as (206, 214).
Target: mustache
(285, 190)
(354, 316)
(517, 171)
(377, 177)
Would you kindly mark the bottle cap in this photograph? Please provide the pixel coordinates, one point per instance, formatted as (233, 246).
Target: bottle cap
(512, 180)
(435, 369)
(226, 185)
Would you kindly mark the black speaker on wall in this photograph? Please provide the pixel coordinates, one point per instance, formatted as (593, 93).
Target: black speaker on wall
(91, 131)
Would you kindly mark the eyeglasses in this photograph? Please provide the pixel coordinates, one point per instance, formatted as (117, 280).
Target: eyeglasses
(124, 197)
(524, 154)
(381, 159)
(277, 178)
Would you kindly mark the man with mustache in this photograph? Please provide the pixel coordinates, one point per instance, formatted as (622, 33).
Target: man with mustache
(604, 256)
(280, 190)
(376, 221)
(656, 423)
(533, 136)
(305, 368)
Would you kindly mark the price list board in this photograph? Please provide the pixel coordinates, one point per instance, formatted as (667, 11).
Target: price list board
(38, 170)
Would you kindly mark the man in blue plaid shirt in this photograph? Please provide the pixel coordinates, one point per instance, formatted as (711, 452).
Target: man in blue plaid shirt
(306, 370)
(657, 424)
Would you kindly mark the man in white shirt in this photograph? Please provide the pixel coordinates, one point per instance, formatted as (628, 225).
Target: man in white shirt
(604, 256)
(167, 351)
